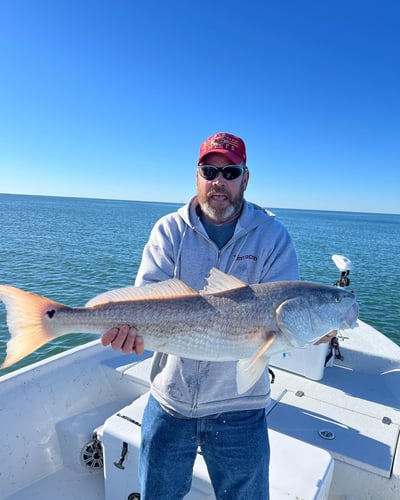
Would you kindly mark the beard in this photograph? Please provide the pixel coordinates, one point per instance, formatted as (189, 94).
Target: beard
(220, 214)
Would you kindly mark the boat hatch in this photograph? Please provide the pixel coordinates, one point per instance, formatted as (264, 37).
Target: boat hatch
(350, 436)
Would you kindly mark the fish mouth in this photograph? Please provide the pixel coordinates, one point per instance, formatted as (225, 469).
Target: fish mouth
(350, 319)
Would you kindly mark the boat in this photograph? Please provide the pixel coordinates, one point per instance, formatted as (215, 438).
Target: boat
(70, 424)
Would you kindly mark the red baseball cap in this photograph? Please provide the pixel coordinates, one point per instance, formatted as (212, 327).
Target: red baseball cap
(226, 144)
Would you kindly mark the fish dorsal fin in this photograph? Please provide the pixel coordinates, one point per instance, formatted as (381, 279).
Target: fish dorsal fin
(219, 281)
(163, 289)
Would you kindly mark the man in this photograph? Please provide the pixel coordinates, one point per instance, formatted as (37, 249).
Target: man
(195, 403)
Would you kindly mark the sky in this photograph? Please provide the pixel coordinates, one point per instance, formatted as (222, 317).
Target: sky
(112, 98)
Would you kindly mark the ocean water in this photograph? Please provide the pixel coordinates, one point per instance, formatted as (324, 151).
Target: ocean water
(71, 249)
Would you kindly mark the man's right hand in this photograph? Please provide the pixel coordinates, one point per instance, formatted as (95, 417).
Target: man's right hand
(124, 338)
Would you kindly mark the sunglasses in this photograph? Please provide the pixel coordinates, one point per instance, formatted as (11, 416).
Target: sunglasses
(230, 172)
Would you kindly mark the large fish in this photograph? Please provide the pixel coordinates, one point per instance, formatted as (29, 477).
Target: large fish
(228, 320)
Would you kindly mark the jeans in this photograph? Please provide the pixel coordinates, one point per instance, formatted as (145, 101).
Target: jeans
(234, 445)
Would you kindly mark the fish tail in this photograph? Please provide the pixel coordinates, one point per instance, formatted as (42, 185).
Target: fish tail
(26, 321)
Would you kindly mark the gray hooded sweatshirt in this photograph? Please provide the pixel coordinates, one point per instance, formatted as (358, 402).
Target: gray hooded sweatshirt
(259, 251)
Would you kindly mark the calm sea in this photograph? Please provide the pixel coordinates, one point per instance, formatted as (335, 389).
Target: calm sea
(71, 249)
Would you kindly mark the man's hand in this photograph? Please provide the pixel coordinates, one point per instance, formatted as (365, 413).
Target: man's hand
(328, 337)
(124, 338)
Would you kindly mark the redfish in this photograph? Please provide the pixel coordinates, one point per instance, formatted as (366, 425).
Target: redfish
(227, 321)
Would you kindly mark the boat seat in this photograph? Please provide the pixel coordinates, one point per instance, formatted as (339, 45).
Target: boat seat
(138, 372)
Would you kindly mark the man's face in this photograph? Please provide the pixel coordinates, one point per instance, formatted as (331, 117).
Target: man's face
(220, 199)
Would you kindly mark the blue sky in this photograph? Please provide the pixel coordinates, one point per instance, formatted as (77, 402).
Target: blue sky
(111, 98)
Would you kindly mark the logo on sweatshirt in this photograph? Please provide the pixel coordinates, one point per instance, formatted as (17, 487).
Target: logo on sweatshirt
(247, 257)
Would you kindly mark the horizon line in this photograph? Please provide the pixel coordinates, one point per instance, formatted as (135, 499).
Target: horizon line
(377, 212)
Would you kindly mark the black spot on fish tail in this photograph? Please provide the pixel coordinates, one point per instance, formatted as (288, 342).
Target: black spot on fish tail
(51, 313)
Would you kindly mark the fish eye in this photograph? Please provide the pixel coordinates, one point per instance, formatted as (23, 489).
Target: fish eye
(338, 299)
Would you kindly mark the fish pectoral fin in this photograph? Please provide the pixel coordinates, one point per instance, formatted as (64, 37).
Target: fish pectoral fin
(271, 336)
(248, 371)
(219, 281)
(164, 289)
